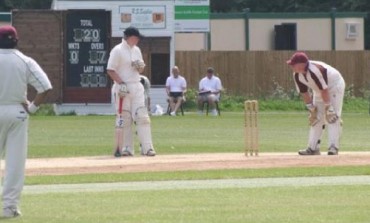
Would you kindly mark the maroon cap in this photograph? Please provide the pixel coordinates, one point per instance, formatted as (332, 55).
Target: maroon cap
(8, 32)
(298, 57)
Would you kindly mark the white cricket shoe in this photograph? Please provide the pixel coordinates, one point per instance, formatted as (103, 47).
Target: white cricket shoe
(332, 150)
(150, 152)
(309, 152)
(214, 112)
(11, 212)
(126, 151)
(173, 113)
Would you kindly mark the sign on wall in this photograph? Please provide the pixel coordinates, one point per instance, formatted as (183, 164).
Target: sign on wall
(87, 49)
(191, 16)
(143, 17)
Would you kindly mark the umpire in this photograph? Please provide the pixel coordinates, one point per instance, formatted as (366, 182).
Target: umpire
(17, 71)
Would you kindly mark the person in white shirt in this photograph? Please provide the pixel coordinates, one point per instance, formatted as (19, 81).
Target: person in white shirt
(124, 67)
(209, 90)
(17, 71)
(176, 89)
(325, 103)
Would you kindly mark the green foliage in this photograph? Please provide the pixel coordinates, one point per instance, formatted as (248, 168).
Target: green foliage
(280, 99)
(191, 97)
(7, 5)
(45, 110)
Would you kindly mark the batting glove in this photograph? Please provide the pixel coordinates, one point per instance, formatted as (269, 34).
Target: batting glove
(330, 115)
(138, 64)
(312, 117)
(123, 90)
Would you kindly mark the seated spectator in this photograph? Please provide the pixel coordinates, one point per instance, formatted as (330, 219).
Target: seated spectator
(175, 88)
(209, 91)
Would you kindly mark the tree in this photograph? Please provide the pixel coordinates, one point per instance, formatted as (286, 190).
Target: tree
(8, 5)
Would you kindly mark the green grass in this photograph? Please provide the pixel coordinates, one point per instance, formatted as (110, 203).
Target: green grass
(201, 175)
(69, 136)
(329, 204)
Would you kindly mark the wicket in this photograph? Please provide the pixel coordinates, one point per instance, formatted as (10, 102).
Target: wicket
(251, 127)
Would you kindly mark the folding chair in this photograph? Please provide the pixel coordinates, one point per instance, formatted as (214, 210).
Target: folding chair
(207, 107)
(169, 107)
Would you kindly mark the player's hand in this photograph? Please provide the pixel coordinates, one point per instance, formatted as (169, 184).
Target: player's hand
(30, 107)
(312, 117)
(330, 115)
(123, 90)
(138, 64)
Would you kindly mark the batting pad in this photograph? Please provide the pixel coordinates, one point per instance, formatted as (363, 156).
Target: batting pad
(315, 135)
(128, 141)
(143, 128)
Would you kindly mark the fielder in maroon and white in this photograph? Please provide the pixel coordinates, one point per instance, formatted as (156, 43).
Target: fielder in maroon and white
(124, 67)
(325, 104)
(16, 72)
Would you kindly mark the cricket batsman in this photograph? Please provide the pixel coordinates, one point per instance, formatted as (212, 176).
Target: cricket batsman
(324, 105)
(124, 67)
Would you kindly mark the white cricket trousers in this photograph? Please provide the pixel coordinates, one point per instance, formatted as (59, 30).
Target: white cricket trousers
(335, 129)
(13, 141)
(134, 109)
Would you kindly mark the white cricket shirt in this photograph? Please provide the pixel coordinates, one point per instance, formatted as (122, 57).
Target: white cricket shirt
(120, 59)
(16, 71)
(213, 84)
(319, 76)
(176, 84)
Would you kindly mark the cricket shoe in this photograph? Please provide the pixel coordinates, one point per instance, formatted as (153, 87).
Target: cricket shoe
(117, 153)
(332, 150)
(126, 151)
(150, 152)
(214, 112)
(309, 152)
(11, 212)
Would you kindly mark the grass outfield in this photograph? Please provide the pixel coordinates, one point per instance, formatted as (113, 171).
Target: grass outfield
(69, 136)
(200, 175)
(326, 204)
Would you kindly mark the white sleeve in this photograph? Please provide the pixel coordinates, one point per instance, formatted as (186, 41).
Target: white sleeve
(114, 59)
(37, 77)
(168, 82)
(219, 85)
(201, 85)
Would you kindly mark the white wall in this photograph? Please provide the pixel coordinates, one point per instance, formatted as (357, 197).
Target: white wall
(227, 34)
(342, 43)
(190, 41)
(312, 34)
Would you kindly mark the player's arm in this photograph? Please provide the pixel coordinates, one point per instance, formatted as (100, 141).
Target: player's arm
(325, 96)
(40, 98)
(141, 69)
(306, 98)
(114, 76)
(218, 87)
(113, 63)
(40, 81)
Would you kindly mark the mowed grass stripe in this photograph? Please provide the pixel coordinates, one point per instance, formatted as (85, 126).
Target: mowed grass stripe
(199, 184)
